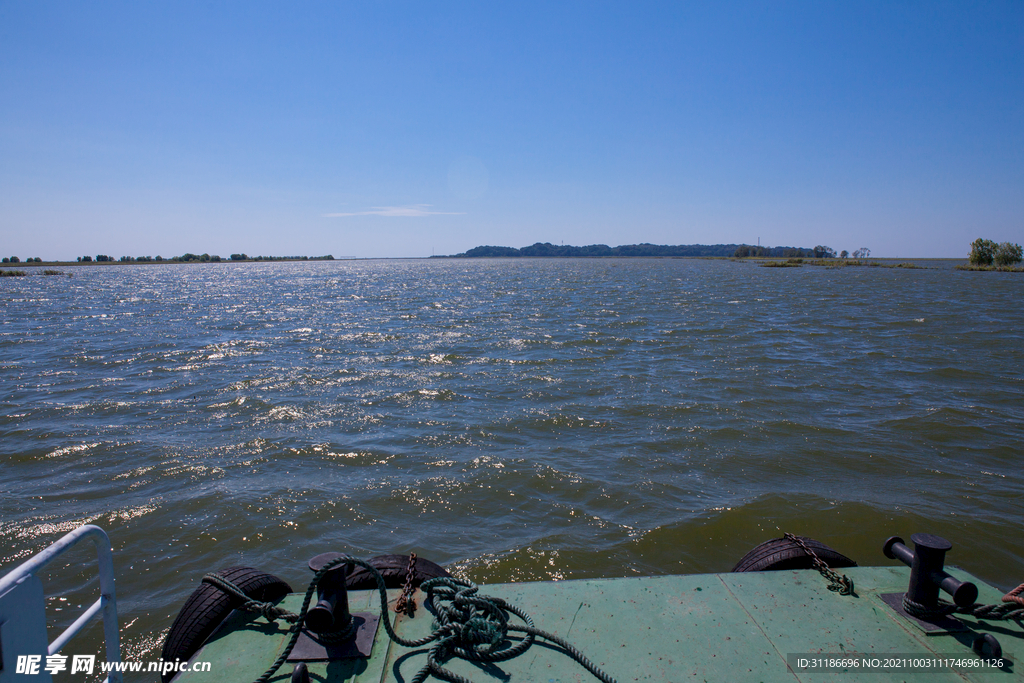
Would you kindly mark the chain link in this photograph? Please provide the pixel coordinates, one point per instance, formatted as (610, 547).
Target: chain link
(405, 603)
(840, 584)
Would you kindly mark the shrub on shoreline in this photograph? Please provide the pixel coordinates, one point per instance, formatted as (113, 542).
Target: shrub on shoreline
(986, 253)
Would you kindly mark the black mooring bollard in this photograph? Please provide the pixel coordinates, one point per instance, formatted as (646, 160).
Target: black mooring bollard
(331, 610)
(926, 570)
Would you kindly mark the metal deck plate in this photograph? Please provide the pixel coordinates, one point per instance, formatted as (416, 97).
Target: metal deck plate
(309, 649)
(932, 626)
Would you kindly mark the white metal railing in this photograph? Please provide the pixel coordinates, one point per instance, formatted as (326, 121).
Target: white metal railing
(105, 605)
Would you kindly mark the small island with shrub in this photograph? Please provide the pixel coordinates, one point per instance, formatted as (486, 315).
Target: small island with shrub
(988, 255)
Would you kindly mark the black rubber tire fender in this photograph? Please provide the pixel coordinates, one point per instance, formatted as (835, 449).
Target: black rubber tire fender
(208, 606)
(782, 553)
(394, 569)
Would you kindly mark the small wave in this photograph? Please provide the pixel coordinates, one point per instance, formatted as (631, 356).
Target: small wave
(130, 513)
(443, 358)
(69, 450)
(31, 532)
(286, 413)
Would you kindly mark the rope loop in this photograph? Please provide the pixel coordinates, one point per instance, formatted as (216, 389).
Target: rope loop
(916, 609)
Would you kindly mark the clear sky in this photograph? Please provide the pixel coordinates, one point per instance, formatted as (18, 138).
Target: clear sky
(405, 129)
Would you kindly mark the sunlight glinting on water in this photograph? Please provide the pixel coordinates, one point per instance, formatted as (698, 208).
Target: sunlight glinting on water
(515, 419)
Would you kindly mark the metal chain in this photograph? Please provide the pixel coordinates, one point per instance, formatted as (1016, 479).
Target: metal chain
(840, 584)
(405, 603)
(1011, 609)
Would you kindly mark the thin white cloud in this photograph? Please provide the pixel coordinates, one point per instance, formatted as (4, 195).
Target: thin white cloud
(399, 211)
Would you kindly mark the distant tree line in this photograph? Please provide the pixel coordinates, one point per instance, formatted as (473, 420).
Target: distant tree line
(747, 250)
(15, 259)
(546, 249)
(189, 257)
(819, 252)
(243, 257)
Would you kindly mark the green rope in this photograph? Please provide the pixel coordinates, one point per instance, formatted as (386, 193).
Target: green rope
(473, 627)
(267, 609)
(467, 625)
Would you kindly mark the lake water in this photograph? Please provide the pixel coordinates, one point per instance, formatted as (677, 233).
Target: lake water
(514, 419)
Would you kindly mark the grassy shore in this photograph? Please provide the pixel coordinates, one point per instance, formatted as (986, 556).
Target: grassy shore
(24, 273)
(831, 263)
(999, 269)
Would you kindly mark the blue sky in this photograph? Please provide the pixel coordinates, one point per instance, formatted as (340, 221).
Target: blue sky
(405, 129)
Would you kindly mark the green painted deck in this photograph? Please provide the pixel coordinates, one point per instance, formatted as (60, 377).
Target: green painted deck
(712, 627)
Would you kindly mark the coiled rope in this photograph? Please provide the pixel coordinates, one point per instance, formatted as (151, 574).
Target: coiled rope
(467, 625)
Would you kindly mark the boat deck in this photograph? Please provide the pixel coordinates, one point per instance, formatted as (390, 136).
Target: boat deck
(711, 627)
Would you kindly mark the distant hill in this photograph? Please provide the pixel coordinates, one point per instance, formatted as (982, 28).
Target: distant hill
(546, 249)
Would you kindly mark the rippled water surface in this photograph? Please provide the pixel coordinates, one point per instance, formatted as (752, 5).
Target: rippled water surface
(516, 419)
